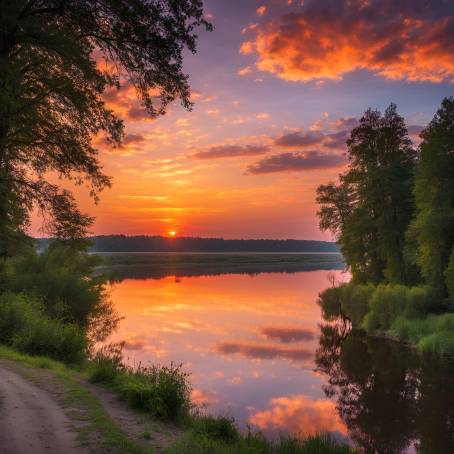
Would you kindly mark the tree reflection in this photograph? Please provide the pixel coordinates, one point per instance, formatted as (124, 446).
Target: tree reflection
(389, 397)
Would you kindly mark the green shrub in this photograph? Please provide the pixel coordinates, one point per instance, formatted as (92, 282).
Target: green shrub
(25, 327)
(355, 301)
(216, 427)
(330, 302)
(434, 334)
(63, 278)
(388, 302)
(163, 391)
(106, 364)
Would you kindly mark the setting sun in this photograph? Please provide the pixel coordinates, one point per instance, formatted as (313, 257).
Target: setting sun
(172, 232)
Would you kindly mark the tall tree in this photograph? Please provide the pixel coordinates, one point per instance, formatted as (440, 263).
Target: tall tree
(369, 211)
(51, 87)
(433, 227)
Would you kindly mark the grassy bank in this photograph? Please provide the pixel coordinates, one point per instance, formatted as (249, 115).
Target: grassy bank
(148, 390)
(164, 392)
(96, 430)
(409, 314)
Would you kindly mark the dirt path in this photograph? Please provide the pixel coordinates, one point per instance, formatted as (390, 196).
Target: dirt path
(31, 421)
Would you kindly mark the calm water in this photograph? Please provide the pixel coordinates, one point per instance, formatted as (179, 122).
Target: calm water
(258, 350)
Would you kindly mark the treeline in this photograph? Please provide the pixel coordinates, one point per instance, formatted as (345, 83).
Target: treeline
(142, 243)
(392, 213)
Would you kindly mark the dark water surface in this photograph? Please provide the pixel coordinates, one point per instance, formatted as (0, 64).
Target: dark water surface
(258, 350)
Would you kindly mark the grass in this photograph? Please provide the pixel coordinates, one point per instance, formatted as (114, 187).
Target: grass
(196, 443)
(162, 391)
(97, 425)
(434, 334)
(204, 434)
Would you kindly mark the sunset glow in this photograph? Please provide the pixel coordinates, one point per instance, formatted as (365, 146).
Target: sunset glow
(172, 233)
(277, 86)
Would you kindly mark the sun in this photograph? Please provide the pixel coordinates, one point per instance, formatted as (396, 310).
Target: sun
(172, 233)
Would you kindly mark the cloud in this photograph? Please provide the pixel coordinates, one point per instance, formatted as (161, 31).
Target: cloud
(245, 71)
(298, 139)
(300, 415)
(259, 351)
(261, 10)
(415, 130)
(336, 140)
(132, 139)
(326, 39)
(288, 334)
(229, 151)
(294, 162)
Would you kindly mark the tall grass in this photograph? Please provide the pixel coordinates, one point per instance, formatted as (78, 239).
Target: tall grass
(255, 443)
(163, 391)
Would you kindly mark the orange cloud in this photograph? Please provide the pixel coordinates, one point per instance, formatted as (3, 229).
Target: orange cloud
(261, 10)
(394, 39)
(300, 415)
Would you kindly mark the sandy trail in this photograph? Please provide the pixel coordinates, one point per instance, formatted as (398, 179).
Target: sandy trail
(31, 422)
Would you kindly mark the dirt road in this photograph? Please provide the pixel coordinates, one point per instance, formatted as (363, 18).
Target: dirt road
(31, 421)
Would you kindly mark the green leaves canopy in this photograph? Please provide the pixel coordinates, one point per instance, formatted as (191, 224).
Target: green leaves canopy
(51, 94)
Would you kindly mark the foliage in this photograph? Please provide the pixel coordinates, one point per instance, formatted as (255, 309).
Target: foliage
(25, 327)
(388, 302)
(433, 227)
(221, 428)
(434, 334)
(62, 277)
(163, 391)
(257, 444)
(370, 209)
(347, 301)
(57, 59)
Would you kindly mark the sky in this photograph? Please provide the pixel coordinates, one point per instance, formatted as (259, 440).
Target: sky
(277, 86)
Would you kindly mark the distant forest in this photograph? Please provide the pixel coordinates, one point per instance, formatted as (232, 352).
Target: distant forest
(123, 243)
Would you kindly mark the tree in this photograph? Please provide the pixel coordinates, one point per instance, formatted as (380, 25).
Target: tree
(51, 87)
(433, 227)
(370, 209)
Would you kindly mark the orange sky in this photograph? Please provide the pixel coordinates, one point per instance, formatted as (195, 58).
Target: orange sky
(277, 86)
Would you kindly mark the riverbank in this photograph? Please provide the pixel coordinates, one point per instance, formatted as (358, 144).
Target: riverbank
(411, 315)
(98, 421)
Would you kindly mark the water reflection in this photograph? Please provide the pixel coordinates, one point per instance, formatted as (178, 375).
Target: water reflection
(162, 265)
(248, 341)
(259, 350)
(391, 399)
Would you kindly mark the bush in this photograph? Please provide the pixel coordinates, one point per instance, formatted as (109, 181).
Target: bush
(63, 278)
(106, 364)
(25, 327)
(355, 301)
(388, 302)
(434, 334)
(163, 391)
(216, 428)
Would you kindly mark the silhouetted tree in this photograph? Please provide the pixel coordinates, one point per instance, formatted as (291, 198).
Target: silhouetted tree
(51, 86)
(433, 227)
(370, 209)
